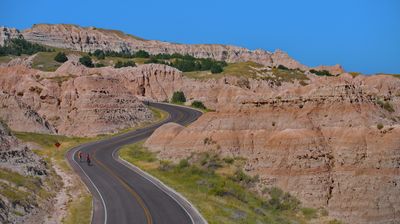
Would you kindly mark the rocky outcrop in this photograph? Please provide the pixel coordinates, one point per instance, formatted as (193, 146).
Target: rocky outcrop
(332, 143)
(90, 102)
(8, 33)
(17, 158)
(89, 39)
(334, 70)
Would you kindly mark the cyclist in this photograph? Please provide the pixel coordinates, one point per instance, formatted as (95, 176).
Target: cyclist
(80, 156)
(88, 159)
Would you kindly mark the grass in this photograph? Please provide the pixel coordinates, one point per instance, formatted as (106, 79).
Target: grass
(79, 210)
(286, 75)
(396, 75)
(219, 192)
(354, 74)
(26, 190)
(119, 33)
(309, 213)
(6, 59)
(44, 61)
(252, 70)
(241, 69)
(385, 105)
(110, 61)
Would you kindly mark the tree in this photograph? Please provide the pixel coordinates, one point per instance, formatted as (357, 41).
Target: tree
(282, 67)
(86, 61)
(99, 54)
(198, 104)
(61, 57)
(99, 65)
(121, 64)
(178, 97)
(142, 54)
(216, 69)
(321, 73)
(20, 46)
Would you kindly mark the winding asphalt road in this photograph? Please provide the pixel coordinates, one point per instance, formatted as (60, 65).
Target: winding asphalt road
(123, 193)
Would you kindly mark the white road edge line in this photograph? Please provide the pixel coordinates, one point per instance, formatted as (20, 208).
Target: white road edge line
(94, 185)
(143, 174)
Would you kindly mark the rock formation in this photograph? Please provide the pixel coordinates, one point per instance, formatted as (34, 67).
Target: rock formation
(89, 39)
(89, 102)
(8, 33)
(16, 157)
(332, 143)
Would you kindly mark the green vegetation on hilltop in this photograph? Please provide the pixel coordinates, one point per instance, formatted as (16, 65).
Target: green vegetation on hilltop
(121, 64)
(219, 188)
(321, 72)
(240, 69)
(254, 70)
(19, 47)
(187, 63)
(286, 75)
(45, 61)
(86, 61)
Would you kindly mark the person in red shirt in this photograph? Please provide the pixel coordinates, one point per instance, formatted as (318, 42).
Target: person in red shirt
(88, 159)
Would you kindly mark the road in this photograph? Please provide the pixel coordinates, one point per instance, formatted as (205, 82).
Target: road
(124, 194)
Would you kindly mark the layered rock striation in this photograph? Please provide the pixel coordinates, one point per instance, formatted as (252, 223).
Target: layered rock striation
(74, 100)
(89, 39)
(332, 143)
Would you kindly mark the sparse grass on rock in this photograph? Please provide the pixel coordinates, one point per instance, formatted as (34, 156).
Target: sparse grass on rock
(44, 61)
(79, 210)
(219, 192)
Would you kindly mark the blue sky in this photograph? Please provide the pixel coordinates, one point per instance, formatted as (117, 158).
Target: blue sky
(361, 35)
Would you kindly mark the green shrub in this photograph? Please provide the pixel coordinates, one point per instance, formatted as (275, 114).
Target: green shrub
(178, 97)
(183, 163)
(241, 177)
(279, 200)
(99, 54)
(142, 54)
(229, 160)
(309, 213)
(99, 65)
(282, 67)
(216, 69)
(86, 61)
(335, 221)
(321, 73)
(165, 165)
(198, 104)
(379, 126)
(121, 64)
(61, 57)
(385, 105)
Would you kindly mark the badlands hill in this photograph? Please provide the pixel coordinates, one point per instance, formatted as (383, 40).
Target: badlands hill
(89, 39)
(332, 141)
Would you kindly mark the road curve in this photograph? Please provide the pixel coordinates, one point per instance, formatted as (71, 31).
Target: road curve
(125, 194)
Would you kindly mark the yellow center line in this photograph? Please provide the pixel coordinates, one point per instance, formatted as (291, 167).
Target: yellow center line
(127, 187)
